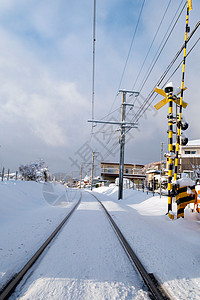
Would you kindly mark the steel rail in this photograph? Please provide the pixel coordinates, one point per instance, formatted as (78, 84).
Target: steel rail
(6, 292)
(157, 292)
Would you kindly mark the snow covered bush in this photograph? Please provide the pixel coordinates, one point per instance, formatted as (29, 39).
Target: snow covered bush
(36, 171)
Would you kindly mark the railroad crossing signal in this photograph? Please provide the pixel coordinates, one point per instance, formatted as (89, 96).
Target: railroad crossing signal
(166, 99)
(170, 97)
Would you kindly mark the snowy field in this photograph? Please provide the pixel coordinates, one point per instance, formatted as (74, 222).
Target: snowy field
(30, 211)
(168, 248)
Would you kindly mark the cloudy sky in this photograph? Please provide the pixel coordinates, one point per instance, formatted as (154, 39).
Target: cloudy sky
(46, 78)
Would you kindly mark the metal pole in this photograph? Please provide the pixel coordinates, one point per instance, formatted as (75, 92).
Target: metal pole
(178, 137)
(122, 143)
(161, 156)
(92, 170)
(170, 160)
(93, 64)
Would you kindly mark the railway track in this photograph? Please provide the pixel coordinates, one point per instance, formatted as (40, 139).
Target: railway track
(155, 289)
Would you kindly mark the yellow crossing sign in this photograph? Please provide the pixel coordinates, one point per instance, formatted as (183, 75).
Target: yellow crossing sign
(166, 100)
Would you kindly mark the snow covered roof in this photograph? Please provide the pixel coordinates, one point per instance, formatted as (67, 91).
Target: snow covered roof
(193, 143)
(152, 171)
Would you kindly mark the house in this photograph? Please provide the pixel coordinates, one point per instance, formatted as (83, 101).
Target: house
(153, 172)
(190, 159)
(134, 172)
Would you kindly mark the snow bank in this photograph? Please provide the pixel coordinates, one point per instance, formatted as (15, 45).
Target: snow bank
(27, 216)
(185, 182)
(167, 248)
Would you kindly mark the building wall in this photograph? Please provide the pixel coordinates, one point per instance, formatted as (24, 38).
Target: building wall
(110, 171)
(113, 168)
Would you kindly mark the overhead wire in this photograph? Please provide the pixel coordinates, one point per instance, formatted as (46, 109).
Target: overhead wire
(151, 67)
(156, 59)
(133, 38)
(179, 65)
(181, 62)
(147, 101)
(129, 52)
(165, 39)
(159, 26)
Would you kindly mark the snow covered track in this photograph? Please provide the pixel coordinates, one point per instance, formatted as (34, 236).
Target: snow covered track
(10, 287)
(85, 261)
(154, 287)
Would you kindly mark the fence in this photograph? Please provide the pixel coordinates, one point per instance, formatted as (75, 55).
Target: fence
(8, 175)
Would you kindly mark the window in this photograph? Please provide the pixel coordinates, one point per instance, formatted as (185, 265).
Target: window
(190, 152)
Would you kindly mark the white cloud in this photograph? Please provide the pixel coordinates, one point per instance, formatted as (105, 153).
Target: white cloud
(46, 70)
(31, 92)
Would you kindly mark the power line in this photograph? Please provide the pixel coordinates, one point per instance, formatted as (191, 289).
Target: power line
(174, 71)
(143, 109)
(129, 52)
(181, 62)
(133, 38)
(154, 61)
(158, 53)
(159, 26)
(153, 64)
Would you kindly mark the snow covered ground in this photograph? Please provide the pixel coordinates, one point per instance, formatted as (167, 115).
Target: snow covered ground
(86, 261)
(30, 211)
(168, 248)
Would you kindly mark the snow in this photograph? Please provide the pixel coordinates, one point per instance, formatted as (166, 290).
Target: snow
(193, 143)
(185, 182)
(85, 261)
(168, 248)
(27, 217)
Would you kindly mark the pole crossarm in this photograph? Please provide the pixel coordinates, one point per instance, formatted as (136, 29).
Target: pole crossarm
(129, 92)
(128, 104)
(130, 126)
(114, 122)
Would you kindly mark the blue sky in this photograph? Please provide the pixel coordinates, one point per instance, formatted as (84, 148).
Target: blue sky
(46, 76)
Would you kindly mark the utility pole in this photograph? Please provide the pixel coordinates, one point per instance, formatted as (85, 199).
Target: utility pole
(92, 170)
(122, 139)
(122, 143)
(123, 125)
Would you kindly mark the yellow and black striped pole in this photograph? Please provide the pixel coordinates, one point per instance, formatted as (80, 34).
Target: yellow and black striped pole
(170, 148)
(178, 139)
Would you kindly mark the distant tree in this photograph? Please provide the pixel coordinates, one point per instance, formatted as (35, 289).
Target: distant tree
(36, 171)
